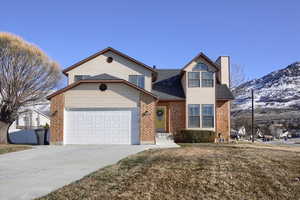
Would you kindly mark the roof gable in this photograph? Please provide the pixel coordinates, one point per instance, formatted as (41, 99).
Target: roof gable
(65, 71)
(204, 57)
(103, 77)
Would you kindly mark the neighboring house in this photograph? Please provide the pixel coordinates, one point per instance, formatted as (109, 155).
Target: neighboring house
(276, 129)
(112, 98)
(285, 134)
(30, 119)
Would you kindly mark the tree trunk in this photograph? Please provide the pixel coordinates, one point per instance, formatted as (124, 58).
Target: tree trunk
(3, 132)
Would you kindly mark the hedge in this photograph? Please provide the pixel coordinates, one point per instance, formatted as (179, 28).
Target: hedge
(195, 136)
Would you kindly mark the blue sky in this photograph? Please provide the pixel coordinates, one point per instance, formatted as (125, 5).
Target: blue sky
(260, 35)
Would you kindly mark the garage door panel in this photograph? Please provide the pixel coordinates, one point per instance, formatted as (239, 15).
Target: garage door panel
(101, 126)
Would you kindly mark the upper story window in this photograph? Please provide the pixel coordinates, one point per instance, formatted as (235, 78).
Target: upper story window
(207, 115)
(194, 79)
(138, 80)
(200, 76)
(207, 79)
(80, 77)
(200, 67)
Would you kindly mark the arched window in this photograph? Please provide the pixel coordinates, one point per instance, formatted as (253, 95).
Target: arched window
(200, 67)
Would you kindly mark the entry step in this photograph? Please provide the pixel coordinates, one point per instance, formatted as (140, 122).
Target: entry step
(164, 138)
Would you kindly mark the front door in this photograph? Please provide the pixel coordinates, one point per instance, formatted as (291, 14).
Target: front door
(161, 119)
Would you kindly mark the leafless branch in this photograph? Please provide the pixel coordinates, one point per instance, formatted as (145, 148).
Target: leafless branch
(26, 75)
(237, 75)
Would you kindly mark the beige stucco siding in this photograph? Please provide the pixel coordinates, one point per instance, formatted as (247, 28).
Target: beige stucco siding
(120, 67)
(199, 95)
(88, 95)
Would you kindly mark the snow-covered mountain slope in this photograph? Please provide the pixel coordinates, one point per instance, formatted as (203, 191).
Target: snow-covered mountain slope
(279, 90)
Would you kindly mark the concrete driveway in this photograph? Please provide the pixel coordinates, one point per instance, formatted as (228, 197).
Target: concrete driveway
(33, 173)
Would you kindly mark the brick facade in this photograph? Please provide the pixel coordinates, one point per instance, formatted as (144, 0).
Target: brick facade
(223, 119)
(175, 116)
(57, 119)
(147, 119)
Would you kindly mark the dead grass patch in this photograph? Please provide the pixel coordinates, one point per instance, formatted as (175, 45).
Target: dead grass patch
(12, 148)
(193, 172)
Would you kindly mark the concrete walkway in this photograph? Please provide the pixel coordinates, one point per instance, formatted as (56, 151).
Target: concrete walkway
(36, 172)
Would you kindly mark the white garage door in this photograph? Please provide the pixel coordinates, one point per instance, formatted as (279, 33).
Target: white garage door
(108, 126)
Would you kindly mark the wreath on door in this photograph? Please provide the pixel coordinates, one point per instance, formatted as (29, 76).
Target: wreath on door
(160, 112)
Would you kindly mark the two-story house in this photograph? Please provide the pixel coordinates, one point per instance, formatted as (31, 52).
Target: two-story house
(112, 98)
(30, 118)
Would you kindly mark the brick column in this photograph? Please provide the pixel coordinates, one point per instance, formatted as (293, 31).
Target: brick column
(223, 119)
(57, 119)
(147, 119)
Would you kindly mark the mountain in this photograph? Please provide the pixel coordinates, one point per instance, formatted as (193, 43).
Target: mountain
(277, 90)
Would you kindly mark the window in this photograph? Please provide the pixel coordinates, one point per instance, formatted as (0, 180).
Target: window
(194, 115)
(109, 60)
(26, 121)
(138, 80)
(103, 87)
(38, 121)
(81, 77)
(207, 115)
(207, 79)
(194, 79)
(17, 121)
(200, 67)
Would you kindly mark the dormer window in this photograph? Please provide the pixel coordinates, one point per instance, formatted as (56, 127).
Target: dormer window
(80, 77)
(200, 76)
(138, 80)
(200, 67)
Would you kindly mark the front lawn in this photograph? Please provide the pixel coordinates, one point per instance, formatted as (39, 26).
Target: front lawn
(12, 148)
(207, 171)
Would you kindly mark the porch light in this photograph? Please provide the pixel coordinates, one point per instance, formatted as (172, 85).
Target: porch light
(146, 113)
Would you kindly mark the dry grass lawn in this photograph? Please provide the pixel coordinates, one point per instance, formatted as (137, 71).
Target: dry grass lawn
(12, 148)
(205, 171)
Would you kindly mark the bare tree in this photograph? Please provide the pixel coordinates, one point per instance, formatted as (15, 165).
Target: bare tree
(237, 75)
(26, 76)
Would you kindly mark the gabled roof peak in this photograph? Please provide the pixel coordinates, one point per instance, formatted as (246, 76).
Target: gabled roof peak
(206, 58)
(103, 76)
(104, 51)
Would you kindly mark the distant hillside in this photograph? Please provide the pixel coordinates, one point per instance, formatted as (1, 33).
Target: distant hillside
(277, 90)
(277, 98)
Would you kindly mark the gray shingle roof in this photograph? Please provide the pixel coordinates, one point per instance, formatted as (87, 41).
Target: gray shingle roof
(168, 85)
(163, 74)
(223, 92)
(103, 77)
